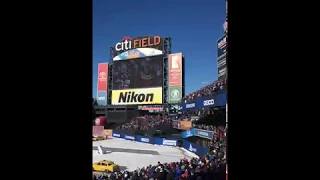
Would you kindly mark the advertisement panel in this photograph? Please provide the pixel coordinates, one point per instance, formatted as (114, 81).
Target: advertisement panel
(137, 96)
(151, 108)
(194, 118)
(144, 139)
(185, 125)
(222, 45)
(222, 61)
(97, 131)
(175, 69)
(203, 133)
(108, 133)
(138, 47)
(192, 147)
(175, 94)
(217, 100)
(176, 124)
(100, 121)
(138, 73)
(102, 98)
(221, 99)
(188, 133)
(191, 105)
(166, 141)
(129, 137)
(195, 148)
(222, 67)
(102, 77)
(206, 102)
(117, 135)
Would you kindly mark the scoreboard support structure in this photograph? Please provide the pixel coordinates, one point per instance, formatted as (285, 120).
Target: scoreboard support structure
(166, 52)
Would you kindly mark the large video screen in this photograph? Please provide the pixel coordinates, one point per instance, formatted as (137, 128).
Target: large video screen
(138, 73)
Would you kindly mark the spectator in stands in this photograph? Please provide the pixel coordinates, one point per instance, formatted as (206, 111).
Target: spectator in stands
(208, 90)
(145, 122)
(211, 166)
(206, 168)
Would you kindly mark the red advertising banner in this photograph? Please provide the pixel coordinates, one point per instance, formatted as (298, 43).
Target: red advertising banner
(152, 108)
(102, 77)
(175, 69)
(97, 131)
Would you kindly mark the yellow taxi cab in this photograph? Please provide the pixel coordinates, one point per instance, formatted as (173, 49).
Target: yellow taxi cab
(106, 166)
(97, 138)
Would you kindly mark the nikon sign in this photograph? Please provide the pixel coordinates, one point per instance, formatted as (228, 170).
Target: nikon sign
(137, 96)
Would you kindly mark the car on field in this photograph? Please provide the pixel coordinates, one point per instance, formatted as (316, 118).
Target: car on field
(105, 166)
(97, 138)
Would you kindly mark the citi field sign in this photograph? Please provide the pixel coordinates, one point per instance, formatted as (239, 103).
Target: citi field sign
(130, 48)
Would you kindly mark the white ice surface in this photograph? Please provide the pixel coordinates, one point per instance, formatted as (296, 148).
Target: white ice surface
(132, 161)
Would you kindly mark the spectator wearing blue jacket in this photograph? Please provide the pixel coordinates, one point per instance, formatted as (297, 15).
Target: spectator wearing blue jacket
(177, 173)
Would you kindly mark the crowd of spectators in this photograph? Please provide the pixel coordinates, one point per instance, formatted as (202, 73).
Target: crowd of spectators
(210, 167)
(205, 168)
(145, 122)
(208, 90)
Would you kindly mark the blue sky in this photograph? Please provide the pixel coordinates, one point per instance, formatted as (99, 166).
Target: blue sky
(194, 27)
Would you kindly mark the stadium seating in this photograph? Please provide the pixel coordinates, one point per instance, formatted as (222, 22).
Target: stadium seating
(205, 168)
(209, 90)
(211, 166)
(145, 122)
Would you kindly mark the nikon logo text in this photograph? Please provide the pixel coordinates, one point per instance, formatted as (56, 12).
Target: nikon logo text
(132, 97)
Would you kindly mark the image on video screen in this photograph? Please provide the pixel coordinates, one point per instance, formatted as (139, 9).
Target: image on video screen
(138, 73)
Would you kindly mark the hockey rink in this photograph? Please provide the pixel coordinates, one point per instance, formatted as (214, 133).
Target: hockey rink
(132, 155)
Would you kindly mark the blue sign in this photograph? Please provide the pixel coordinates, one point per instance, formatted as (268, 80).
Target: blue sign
(117, 135)
(192, 147)
(144, 139)
(203, 133)
(169, 142)
(221, 99)
(189, 106)
(186, 134)
(208, 103)
(195, 148)
(217, 100)
(129, 137)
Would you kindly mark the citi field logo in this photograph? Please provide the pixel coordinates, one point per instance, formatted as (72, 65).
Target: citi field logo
(128, 43)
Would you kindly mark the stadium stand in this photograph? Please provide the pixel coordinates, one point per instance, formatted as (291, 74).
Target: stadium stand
(212, 166)
(209, 90)
(205, 168)
(145, 122)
